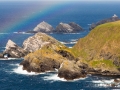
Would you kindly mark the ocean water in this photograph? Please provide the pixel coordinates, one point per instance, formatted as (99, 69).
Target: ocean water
(18, 17)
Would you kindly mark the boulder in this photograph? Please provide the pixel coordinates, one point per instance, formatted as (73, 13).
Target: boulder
(13, 50)
(43, 27)
(69, 70)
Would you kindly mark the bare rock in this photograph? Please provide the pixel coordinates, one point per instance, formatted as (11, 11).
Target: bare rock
(68, 28)
(13, 50)
(44, 27)
(37, 41)
(64, 28)
(77, 28)
(47, 64)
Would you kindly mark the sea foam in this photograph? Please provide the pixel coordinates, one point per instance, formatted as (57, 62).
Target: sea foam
(19, 70)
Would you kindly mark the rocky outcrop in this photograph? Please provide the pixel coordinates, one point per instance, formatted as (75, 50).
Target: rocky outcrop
(112, 19)
(43, 27)
(37, 41)
(68, 28)
(77, 28)
(44, 59)
(69, 70)
(13, 50)
(47, 64)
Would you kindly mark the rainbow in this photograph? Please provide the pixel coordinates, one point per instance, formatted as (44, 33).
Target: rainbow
(49, 12)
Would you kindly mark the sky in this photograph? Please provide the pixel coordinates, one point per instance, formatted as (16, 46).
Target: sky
(60, 0)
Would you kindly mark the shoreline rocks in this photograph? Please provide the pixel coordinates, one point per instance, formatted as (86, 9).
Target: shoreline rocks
(70, 71)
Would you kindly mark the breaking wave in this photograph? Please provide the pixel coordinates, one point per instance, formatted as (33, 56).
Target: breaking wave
(19, 70)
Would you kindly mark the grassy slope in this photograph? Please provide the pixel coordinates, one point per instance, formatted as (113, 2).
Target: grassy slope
(104, 37)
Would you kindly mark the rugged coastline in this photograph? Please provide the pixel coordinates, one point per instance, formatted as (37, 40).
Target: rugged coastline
(97, 53)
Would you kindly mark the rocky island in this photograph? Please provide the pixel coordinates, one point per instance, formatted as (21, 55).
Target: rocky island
(44, 27)
(97, 53)
(68, 28)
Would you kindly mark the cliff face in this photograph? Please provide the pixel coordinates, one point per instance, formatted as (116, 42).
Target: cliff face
(43, 27)
(101, 47)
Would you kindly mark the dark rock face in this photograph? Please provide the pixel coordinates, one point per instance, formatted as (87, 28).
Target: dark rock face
(77, 28)
(112, 19)
(69, 70)
(13, 50)
(68, 28)
(66, 54)
(46, 65)
(43, 27)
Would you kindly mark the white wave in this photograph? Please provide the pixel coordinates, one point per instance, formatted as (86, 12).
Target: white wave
(21, 33)
(4, 33)
(69, 42)
(74, 40)
(89, 24)
(70, 47)
(71, 33)
(19, 70)
(11, 58)
(104, 81)
(53, 77)
(15, 64)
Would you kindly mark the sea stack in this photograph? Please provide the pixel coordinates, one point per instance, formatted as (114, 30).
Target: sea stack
(43, 27)
(13, 50)
(68, 28)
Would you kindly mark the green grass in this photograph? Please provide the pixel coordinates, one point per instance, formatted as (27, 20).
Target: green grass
(104, 37)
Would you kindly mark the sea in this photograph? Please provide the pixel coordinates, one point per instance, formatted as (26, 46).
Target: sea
(17, 17)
